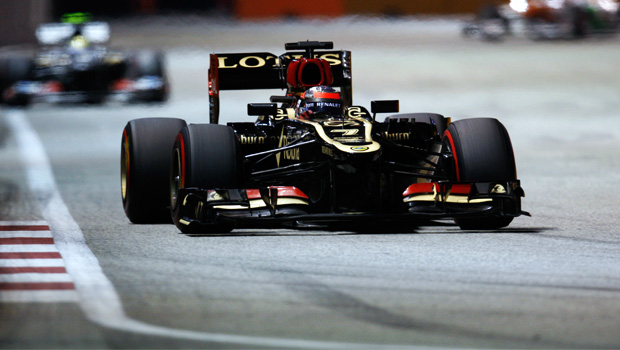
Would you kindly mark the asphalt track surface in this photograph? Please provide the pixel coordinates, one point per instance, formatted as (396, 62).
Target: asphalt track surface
(547, 281)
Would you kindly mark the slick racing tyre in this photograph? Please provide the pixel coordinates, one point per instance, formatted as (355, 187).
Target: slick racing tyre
(145, 168)
(482, 152)
(151, 64)
(13, 70)
(205, 156)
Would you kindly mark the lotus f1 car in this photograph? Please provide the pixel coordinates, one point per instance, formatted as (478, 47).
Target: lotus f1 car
(347, 170)
(73, 64)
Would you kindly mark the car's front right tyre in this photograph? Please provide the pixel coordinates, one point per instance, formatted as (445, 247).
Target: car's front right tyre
(146, 150)
(205, 156)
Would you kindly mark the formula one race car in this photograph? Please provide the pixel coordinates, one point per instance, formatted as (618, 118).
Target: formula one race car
(312, 159)
(73, 64)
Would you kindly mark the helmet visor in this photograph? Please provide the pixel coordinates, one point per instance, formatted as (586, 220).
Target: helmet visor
(324, 107)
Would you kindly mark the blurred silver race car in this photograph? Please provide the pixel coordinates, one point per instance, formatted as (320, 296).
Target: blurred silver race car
(545, 19)
(73, 64)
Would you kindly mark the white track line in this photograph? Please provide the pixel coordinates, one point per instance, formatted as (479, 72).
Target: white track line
(31, 234)
(27, 248)
(39, 296)
(32, 263)
(35, 277)
(22, 223)
(97, 296)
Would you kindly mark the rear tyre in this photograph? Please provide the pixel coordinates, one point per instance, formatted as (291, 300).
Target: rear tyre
(151, 64)
(145, 168)
(482, 152)
(205, 156)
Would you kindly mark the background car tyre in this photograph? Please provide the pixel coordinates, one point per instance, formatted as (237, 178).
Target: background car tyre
(145, 168)
(482, 152)
(12, 70)
(151, 63)
(205, 156)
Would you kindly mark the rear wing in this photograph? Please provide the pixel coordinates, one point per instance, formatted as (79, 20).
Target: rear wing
(263, 70)
(57, 33)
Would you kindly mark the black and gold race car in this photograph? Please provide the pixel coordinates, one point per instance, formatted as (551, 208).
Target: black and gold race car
(313, 159)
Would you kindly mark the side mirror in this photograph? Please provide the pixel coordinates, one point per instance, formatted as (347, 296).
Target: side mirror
(282, 99)
(385, 106)
(262, 109)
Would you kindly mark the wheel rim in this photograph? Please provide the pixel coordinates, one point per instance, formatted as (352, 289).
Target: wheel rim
(124, 166)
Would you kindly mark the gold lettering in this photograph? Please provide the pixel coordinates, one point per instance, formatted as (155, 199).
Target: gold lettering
(244, 62)
(281, 115)
(345, 132)
(355, 111)
(252, 140)
(328, 151)
(249, 62)
(336, 123)
(399, 136)
(222, 63)
(332, 58)
(291, 154)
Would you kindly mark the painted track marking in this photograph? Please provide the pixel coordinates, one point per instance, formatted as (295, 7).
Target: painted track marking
(31, 268)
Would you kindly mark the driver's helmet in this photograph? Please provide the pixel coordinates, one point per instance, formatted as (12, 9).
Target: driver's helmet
(78, 43)
(320, 102)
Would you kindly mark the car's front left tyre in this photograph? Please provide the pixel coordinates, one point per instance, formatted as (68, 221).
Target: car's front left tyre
(481, 152)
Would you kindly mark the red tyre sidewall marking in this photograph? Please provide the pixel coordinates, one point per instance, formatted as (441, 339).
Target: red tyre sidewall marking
(181, 143)
(456, 161)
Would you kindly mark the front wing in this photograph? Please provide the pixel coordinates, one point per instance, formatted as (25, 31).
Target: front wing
(289, 206)
(122, 90)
